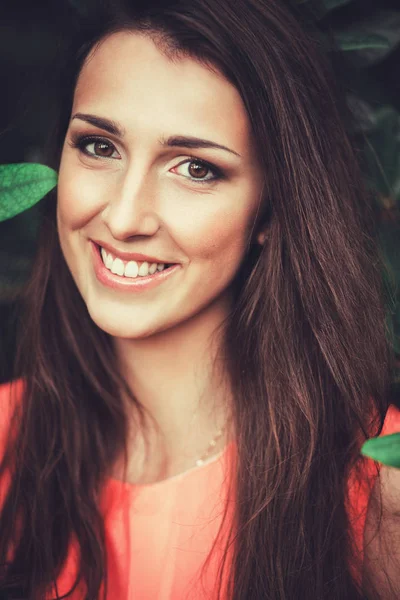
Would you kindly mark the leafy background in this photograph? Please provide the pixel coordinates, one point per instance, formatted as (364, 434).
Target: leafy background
(366, 34)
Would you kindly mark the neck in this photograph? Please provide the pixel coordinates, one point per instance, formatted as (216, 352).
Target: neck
(178, 376)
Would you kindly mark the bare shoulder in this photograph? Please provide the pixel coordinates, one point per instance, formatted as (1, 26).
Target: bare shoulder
(382, 538)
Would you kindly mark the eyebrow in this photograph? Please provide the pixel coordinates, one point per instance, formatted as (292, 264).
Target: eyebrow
(173, 141)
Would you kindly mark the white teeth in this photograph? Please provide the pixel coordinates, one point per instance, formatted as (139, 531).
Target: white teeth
(109, 261)
(144, 269)
(118, 267)
(153, 268)
(131, 269)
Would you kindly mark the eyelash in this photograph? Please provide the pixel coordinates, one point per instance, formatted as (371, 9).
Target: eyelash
(80, 141)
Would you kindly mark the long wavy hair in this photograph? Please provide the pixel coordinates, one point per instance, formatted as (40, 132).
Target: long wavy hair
(306, 343)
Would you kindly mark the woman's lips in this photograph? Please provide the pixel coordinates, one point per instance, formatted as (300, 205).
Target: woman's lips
(118, 282)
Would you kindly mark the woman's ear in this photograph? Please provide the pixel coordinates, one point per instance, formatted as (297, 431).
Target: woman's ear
(263, 224)
(261, 237)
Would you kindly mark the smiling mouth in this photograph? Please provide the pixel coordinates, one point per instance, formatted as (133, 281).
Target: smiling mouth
(130, 269)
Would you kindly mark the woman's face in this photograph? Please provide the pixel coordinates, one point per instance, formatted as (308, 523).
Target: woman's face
(141, 190)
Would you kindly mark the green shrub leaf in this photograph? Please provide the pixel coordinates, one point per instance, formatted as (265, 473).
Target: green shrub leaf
(385, 449)
(22, 185)
(372, 38)
(349, 40)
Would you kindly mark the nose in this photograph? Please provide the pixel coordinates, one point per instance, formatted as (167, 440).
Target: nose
(132, 206)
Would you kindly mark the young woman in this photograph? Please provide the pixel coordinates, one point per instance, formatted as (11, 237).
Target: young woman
(203, 346)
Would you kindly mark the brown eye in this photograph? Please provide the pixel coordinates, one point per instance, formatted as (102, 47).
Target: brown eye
(103, 149)
(197, 169)
(200, 171)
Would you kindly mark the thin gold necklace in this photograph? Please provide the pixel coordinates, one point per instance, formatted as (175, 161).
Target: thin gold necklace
(211, 445)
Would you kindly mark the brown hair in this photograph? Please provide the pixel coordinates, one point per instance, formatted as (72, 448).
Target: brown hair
(306, 343)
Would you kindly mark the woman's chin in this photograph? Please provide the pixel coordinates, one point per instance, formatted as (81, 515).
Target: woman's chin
(122, 327)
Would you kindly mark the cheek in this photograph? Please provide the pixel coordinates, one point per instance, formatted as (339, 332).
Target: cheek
(218, 238)
(78, 196)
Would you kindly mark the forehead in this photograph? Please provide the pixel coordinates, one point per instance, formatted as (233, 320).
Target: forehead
(127, 78)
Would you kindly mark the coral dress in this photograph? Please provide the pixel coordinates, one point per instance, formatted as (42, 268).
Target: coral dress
(158, 535)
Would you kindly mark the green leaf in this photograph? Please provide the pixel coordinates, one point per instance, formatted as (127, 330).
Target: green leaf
(384, 449)
(22, 185)
(372, 38)
(349, 40)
